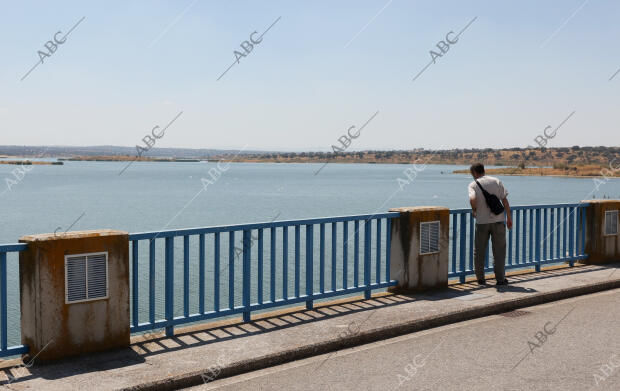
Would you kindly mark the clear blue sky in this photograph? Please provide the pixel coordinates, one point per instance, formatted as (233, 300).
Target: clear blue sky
(322, 68)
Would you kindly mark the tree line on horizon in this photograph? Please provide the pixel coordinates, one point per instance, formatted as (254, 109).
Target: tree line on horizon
(557, 157)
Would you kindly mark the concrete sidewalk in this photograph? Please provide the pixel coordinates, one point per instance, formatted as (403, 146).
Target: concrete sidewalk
(229, 348)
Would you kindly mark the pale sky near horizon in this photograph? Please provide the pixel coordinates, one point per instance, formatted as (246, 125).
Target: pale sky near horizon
(323, 67)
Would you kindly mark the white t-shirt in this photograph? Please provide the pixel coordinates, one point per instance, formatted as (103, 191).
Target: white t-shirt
(483, 212)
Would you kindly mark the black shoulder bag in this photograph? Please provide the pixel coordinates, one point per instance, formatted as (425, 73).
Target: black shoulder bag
(492, 201)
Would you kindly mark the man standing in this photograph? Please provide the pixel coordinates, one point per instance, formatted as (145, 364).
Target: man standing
(489, 223)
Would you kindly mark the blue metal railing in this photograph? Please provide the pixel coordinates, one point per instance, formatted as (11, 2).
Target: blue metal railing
(180, 276)
(6, 350)
(258, 273)
(541, 234)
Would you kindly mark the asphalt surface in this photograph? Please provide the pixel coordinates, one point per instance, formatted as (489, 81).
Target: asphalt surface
(572, 344)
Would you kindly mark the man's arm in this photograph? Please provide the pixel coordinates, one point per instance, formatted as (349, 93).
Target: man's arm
(508, 213)
(472, 199)
(472, 202)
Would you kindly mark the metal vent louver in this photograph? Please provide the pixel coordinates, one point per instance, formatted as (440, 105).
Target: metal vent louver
(86, 277)
(429, 237)
(611, 222)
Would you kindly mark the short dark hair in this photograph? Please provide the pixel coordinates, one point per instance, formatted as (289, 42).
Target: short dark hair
(477, 168)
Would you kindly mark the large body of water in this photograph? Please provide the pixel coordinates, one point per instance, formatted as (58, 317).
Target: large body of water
(158, 196)
(154, 196)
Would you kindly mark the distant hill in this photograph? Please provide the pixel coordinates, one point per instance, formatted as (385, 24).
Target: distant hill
(560, 158)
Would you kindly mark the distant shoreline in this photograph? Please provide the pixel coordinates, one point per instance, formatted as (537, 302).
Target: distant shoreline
(574, 156)
(555, 166)
(30, 163)
(124, 159)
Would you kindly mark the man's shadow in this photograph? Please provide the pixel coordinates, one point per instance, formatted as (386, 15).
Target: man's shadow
(514, 288)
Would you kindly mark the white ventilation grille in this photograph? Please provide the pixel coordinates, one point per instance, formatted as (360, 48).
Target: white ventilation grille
(86, 277)
(611, 222)
(429, 237)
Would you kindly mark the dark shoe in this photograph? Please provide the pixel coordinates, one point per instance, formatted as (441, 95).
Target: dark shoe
(505, 282)
(482, 282)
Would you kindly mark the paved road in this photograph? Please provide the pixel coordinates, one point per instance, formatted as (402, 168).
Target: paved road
(578, 348)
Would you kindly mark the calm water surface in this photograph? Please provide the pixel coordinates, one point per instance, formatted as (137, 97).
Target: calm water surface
(155, 196)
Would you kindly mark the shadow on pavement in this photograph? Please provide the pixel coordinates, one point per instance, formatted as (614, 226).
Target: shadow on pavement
(265, 324)
(56, 370)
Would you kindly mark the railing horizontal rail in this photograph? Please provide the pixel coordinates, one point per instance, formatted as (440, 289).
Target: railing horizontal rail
(6, 248)
(520, 207)
(241, 227)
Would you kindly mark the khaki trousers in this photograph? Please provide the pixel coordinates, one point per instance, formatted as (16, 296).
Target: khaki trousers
(497, 232)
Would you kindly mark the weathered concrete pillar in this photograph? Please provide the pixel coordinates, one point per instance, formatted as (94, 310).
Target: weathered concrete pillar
(74, 291)
(419, 248)
(602, 239)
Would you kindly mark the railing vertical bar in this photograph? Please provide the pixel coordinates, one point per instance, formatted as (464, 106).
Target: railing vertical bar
(297, 259)
(260, 266)
(3, 304)
(309, 264)
(583, 231)
(345, 260)
(378, 252)
(517, 228)
(472, 223)
(524, 247)
(545, 254)
(356, 253)
(557, 232)
(201, 273)
(526, 236)
(388, 247)
(577, 232)
(334, 227)
(531, 254)
(231, 270)
(285, 263)
(246, 279)
(537, 245)
(571, 235)
(169, 284)
(462, 245)
(367, 241)
(453, 243)
(134, 282)
(552, 233)
(510, 235)
(322, 257)
(564, 232)
(272, 266)
(186, 275)
(558, 227)
(152, 281)
(216, 272)
(544, 233)
(577, 214)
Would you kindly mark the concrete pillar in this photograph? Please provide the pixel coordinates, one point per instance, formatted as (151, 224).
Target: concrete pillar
(413, 270)
(601, 248)
(53, 328)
